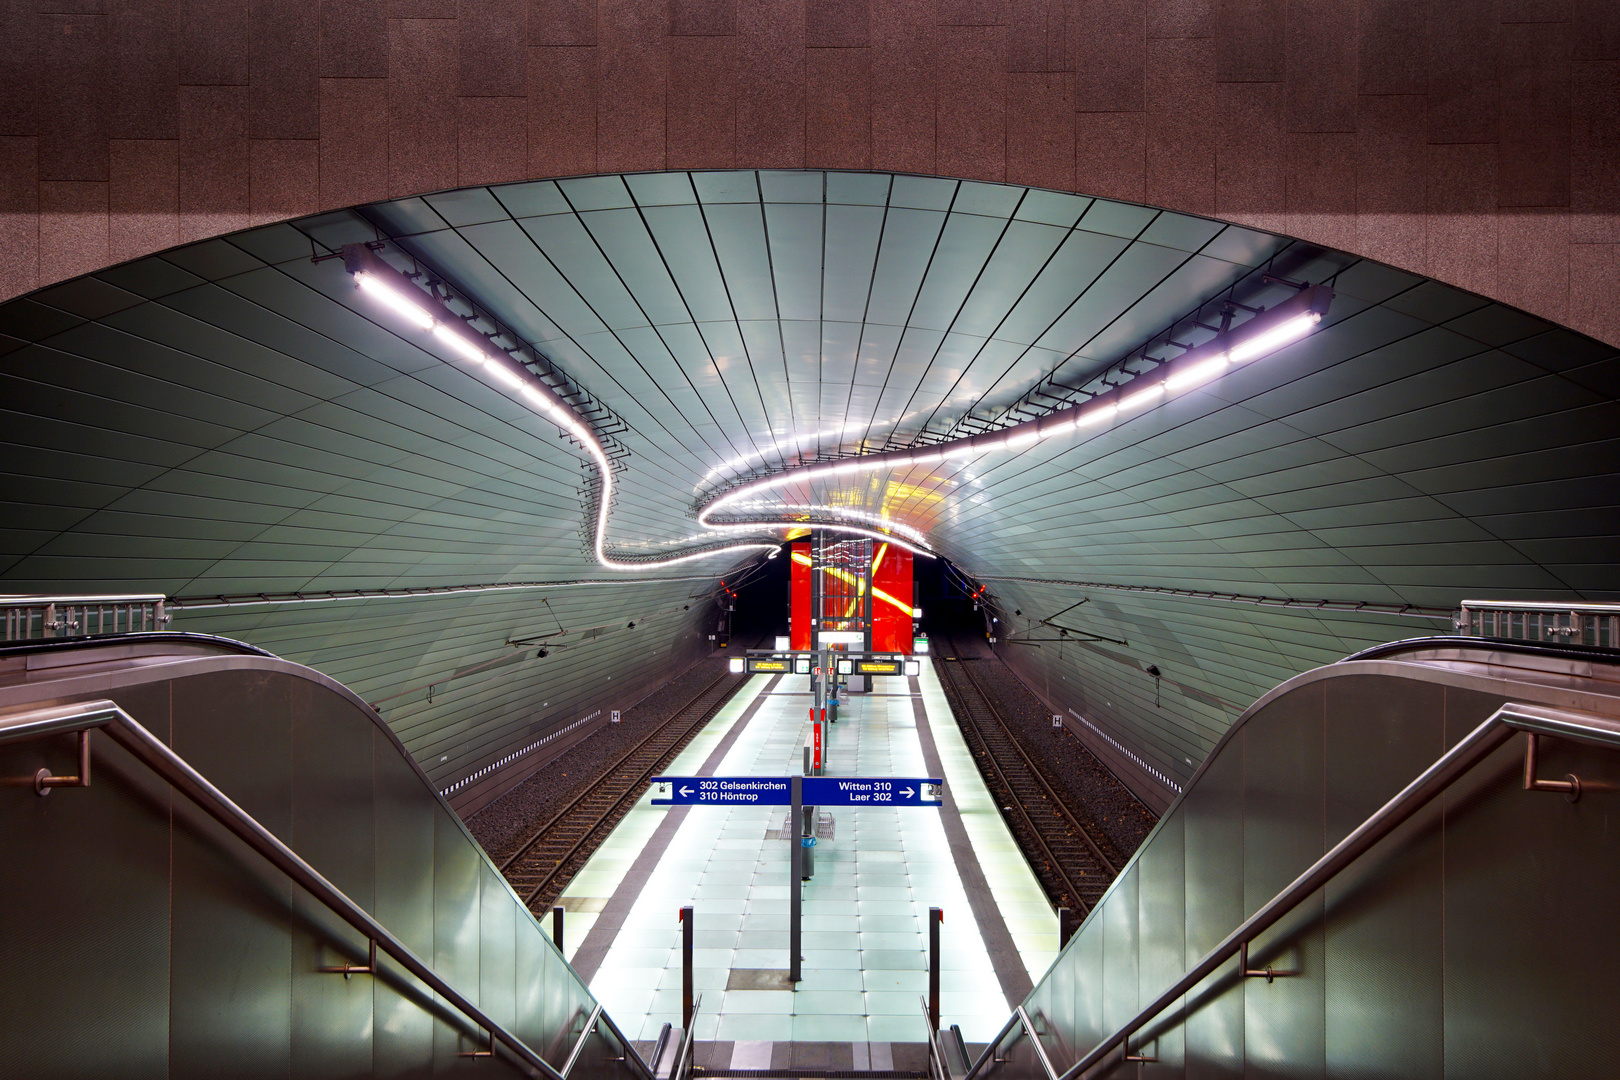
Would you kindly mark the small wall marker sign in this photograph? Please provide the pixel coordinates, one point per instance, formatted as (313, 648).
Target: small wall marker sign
(613, 716)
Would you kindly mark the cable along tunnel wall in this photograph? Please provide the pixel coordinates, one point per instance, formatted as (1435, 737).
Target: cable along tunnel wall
(143, 940)
(1476, 940)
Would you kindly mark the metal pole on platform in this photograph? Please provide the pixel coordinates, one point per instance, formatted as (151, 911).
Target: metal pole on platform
(557, 927)
(795, 861)
(805, 826)
(1066, 926)
(935, 917)
(687, 939)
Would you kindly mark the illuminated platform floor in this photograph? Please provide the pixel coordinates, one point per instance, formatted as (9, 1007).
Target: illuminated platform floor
(864, 949)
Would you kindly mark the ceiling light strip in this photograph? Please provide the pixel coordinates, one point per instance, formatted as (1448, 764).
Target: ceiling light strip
(396, 292)
(1263, 334)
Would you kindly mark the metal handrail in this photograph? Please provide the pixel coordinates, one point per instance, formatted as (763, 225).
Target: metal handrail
(71, 616)
(683, 1060)
(579, 1043)
(83, 717)
(1502, 725)
(1584, 607)
(660, 1046)
(939, 1058)
(1035, 1041)
(631, 1057)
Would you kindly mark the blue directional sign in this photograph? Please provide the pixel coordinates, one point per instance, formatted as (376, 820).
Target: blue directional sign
(817, 791)
(723, 791)
(871, 791)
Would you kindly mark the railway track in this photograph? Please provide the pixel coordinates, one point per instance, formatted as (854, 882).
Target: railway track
(543, 864)
(1070, 864)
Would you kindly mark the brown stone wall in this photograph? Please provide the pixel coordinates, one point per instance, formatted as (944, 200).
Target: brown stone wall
(1477, 141)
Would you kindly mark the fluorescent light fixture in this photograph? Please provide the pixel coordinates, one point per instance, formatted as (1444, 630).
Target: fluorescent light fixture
(460, 342)
(394, 300)
(1266, 332)
(400, 295)
(779, 446)
(1148, 393)
(1096, 415)
(507, 375)
(1194, 374)
(1273, 339)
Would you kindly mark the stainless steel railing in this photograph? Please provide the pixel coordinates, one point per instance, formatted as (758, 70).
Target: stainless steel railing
(682, 1069)
(947, 1050)
(1502, 725)
(84, 717)
(1556, 623)
(43, 618)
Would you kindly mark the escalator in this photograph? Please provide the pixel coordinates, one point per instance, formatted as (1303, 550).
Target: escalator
(1400, 865)
(220, 863)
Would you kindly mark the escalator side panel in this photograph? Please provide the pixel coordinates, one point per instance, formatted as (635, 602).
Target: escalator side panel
(457, 906)
(403, 827)
(1284, 830)
(497, 960)
(1163, 941)
(84, 933)
(333, 826)
(1121, 917)
(1384, 936)
(233, 939)
(1530, 948)
(1212, 812)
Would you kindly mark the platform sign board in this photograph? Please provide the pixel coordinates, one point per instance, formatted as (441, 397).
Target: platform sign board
(769, 667)
(721, 791)
(872, 791)
(777, 791)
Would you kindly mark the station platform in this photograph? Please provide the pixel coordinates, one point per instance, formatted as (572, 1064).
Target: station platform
(865, 936)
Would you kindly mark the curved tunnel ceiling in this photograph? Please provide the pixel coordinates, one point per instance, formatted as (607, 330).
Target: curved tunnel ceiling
(233, 419)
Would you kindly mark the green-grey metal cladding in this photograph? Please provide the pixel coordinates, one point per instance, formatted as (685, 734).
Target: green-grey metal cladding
(234, 418)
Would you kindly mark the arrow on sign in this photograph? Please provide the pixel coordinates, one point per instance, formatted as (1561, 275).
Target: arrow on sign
(686, 791)
(908, 792)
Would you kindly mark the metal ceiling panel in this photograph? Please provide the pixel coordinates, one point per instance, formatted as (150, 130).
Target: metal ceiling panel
(231, 417)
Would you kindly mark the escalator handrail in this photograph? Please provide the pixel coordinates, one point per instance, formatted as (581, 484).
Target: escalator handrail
(107, 716)
(1559, 649)
(1502, 725)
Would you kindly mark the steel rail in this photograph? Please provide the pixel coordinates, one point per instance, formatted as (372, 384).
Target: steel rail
(1029, 762)
(1017, 805)
(1494, 732)
(1051, 794)
(108, 717)
(631, 792)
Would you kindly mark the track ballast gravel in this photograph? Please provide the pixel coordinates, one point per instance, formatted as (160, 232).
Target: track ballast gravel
(508, 821)
(1094, 795)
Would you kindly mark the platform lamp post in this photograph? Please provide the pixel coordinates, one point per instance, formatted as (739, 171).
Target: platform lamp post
(688, 938)
(935, 917)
